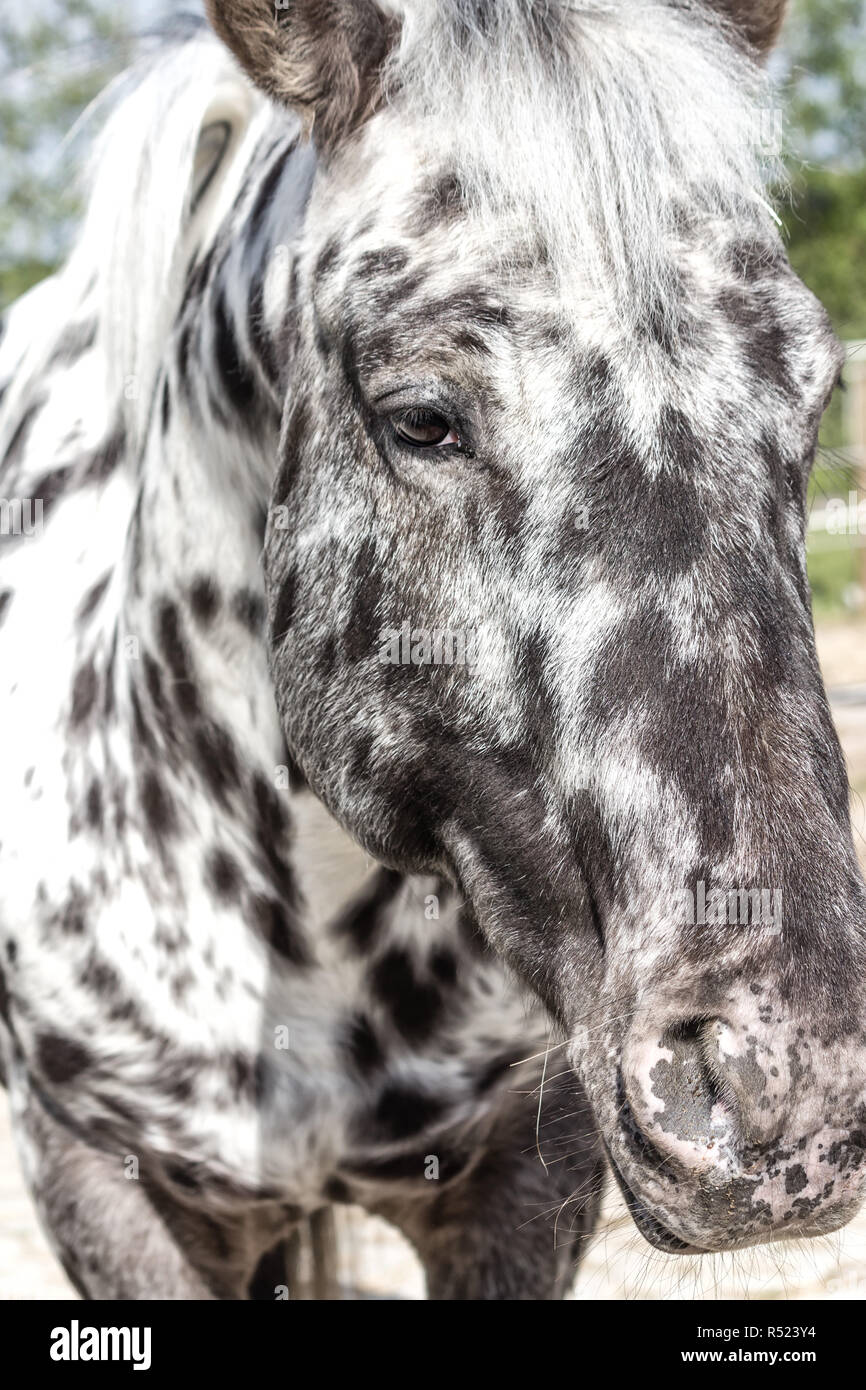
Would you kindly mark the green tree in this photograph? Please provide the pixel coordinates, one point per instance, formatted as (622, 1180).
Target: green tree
(52, 64)
(822, 61)
(827, 242)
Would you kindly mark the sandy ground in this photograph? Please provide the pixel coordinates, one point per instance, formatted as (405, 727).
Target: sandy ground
(27, 1267)
(376, 1263)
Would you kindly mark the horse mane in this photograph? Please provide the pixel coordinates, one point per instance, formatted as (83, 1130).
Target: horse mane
(600, 123)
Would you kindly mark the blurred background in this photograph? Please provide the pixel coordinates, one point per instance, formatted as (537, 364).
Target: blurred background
(55, 57)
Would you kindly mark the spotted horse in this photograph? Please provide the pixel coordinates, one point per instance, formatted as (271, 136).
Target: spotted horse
(391, 324)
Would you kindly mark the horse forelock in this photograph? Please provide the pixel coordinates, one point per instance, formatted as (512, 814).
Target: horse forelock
(607, 128)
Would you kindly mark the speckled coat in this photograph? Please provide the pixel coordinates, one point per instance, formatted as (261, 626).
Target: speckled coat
(286, 924)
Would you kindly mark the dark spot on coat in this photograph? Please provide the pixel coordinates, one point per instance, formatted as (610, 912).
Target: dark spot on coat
(362, 1045)
(364, 622)
(73, 342)
(93, 805)
(83, 694)
(108, 690)
(19, 439)
(158, 807)
(402, 1111)
(384, 261)
(153, 681)
(175, 652)
(183, 1175)
(204, 599)
(216, 759)
(296, 432)
(222, 875)
(750, 260)
(184, 344)
(443, 964)
(795, 1178)
(764, 336)
(61, 1059)
(105, 459)
(679, 442)
(272, 830)
(100, 977)
(327, 258)
(442, 200)
(92, 598)
(361, 923)
(51, 487)
(413, 1005)
(72, 918)
(273, 922)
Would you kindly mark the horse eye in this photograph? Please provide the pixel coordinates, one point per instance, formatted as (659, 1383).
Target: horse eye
(424, 429)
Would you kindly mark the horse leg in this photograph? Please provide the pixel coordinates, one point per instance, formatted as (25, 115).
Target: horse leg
(118, 1237)
(514, 1226)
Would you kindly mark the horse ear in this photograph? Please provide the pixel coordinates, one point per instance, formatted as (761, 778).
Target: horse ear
(322, 57)
(759, 21)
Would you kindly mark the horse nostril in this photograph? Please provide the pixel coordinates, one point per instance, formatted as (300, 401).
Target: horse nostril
(692, 1040)
(677, 1093)
(691, 1044)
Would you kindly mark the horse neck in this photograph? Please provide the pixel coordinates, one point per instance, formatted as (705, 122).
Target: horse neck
(193, 599)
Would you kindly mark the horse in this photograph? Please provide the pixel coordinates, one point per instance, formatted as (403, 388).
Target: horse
(419, 786)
